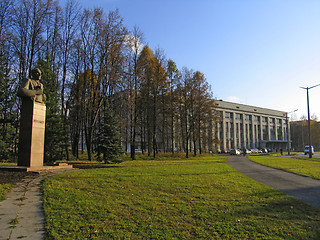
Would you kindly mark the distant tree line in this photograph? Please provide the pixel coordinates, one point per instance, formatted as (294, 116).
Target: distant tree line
(300, 134)
(106, 91)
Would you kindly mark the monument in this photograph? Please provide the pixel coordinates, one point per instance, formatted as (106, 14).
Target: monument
(32, 122)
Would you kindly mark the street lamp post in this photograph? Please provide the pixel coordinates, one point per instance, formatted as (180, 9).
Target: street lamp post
(309, 126)
(288, 130)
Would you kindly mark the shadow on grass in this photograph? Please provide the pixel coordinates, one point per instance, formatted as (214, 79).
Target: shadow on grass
(93, 166)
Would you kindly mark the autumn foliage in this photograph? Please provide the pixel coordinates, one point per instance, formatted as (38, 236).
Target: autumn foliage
(107, 88)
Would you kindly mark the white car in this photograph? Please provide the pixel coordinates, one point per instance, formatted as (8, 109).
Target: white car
(235, 152)
(248, 151)
(254, 150)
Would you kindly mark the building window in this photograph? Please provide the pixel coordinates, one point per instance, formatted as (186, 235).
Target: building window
(251, 135)
(247, 135)
(257, 118)
(265, 132)
(264, 119)
(237, 131)
(272, 120)
(272, 133)
(227, 129)
(279, 121)
(248, 117)
(280, 137)
(228, 115)
(231, 131)
(238, 116)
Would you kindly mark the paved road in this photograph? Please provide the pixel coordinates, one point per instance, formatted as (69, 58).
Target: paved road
(299, 187)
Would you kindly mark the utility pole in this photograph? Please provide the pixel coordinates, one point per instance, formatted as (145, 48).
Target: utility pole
(309, 125)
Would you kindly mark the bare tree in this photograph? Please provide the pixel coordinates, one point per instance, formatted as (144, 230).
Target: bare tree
(70, 26)
(185, 107)
(101, 46)
(134, 44)
(29, 17)
(173, 75)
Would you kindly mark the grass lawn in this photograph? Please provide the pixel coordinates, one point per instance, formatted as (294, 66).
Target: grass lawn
(4, 188)
(4, 185)
(187, 199)
(7, 163)
(300, 165)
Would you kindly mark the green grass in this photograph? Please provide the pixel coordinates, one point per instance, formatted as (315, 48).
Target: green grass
(307, 158)
(187, 199)
(8, 163)
(4, 189)
(284, 153)
(143, 159)
(300, 165)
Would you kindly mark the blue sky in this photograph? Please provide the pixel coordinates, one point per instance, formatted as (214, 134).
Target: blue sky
(255, 52)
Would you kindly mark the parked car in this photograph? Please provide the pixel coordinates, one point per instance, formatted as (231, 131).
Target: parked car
(248, 151)
(235, 152)
(260, 151)
(307, 150)
(254, 150)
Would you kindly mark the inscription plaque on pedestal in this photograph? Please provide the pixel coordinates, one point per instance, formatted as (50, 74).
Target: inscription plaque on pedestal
(32, 132)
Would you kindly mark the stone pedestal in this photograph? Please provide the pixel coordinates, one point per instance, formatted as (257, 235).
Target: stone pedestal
(31, 138)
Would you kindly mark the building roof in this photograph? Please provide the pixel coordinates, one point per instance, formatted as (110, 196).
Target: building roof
(237, 107)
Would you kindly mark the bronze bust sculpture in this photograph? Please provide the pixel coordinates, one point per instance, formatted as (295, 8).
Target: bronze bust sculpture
(32, 88)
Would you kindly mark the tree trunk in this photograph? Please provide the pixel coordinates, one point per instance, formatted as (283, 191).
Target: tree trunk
(154, 137)
(199, 126)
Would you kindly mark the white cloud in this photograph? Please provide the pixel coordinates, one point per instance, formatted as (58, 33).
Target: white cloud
(234, 99)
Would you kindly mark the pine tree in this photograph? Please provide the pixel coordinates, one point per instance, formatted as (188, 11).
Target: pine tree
(107, 139)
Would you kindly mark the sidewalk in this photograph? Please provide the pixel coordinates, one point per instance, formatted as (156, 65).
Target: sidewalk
(299, 187)
(21, 214)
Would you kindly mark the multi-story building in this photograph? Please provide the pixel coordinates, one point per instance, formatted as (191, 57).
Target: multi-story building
(242, 126)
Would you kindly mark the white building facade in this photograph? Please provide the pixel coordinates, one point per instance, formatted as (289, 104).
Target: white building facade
(242, 126)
